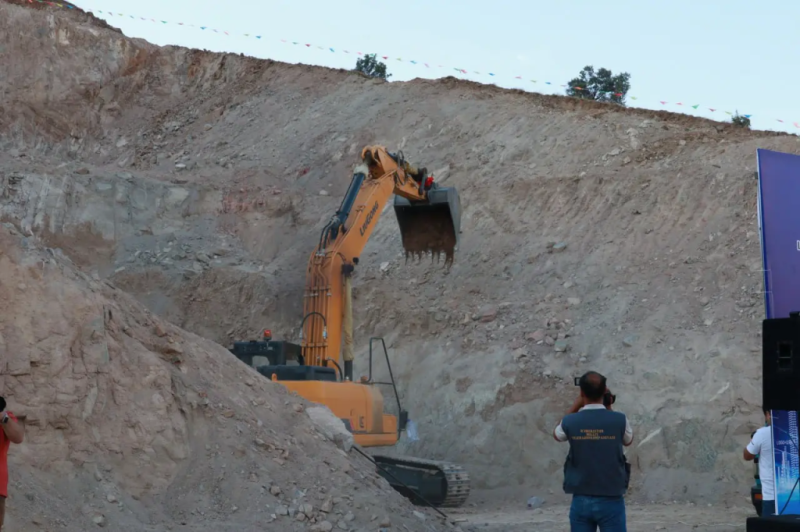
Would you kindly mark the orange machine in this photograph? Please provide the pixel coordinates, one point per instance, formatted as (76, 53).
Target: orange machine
(320, 368)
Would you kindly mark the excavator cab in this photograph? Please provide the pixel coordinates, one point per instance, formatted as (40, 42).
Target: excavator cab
(432, 225)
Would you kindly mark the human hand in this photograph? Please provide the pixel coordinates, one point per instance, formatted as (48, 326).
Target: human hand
(577, 404)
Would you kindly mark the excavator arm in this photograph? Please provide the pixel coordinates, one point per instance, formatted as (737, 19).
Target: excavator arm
(429, 220)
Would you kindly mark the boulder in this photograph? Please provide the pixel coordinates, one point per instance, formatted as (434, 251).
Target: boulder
(331, 426)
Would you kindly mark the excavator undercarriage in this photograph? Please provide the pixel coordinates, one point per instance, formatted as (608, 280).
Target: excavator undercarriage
(440, 484)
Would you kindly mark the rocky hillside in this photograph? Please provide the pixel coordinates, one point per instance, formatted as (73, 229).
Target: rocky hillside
(594, 237)
(134, 424)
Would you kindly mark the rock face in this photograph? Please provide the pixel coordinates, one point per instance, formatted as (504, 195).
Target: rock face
(619, 240)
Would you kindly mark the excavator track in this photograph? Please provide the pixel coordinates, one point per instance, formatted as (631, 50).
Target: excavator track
(442, 484)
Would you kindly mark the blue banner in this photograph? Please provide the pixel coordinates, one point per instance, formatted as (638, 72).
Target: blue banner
(787, 462)
(779, 228)
(779, 225)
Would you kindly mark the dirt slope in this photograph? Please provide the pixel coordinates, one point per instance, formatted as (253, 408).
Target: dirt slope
(593, 238)
(138, 425)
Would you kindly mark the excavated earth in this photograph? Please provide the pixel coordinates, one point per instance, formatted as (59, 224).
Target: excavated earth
(194, 185)
(135, 424)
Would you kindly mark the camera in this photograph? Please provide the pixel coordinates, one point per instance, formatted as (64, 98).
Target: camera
(2, 403)
(608, 398)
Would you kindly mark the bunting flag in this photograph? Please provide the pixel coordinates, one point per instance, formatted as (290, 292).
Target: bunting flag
(426, 65)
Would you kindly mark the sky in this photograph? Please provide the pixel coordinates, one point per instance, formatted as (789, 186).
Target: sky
(727, 55)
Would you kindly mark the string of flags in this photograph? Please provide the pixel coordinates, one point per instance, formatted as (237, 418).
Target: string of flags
(424, 64)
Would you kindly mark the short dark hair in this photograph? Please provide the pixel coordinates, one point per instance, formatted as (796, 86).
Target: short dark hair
(765, 409)
(593, 385)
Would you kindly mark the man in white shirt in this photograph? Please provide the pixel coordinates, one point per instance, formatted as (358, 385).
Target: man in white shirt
(761, 445)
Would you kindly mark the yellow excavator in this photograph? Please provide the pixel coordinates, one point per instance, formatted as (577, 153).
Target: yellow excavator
(320, 367)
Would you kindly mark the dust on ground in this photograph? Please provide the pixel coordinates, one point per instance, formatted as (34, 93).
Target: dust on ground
(683, 517)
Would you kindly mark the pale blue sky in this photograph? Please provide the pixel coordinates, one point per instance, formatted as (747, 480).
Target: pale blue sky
(724, 54)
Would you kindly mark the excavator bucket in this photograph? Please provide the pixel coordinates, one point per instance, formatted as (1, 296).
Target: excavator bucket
(430, 226)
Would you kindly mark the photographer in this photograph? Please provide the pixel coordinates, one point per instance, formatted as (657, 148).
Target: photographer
(12, 431)
(596, 472)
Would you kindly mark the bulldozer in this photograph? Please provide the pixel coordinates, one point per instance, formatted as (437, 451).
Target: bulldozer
(320, 367)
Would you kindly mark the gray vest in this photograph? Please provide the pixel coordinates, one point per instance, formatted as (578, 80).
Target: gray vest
(595, 465)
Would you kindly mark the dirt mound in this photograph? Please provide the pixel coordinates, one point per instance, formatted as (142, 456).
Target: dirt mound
(593, 237)
(134, 423)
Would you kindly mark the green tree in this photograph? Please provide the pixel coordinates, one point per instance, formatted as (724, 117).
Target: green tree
(741, 121)
(373, 68)
(601, 86)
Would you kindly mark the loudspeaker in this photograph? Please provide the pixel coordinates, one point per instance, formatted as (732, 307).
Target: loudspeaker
(781, 363)
(789, 523)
